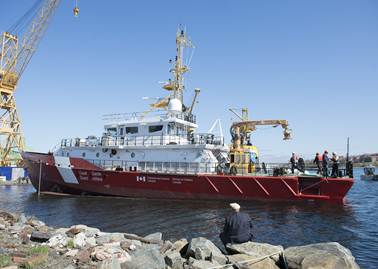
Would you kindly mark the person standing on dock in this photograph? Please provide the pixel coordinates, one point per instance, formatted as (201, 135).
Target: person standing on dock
(293, 162)
(237, 227)
(335, 165)
(317, 161)
(325, 161)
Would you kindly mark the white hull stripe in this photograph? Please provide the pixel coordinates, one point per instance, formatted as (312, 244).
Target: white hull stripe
(64, 167)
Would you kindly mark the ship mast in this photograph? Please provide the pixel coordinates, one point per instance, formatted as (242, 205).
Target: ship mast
(182, 42)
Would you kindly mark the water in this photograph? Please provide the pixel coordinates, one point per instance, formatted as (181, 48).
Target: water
(353, 224)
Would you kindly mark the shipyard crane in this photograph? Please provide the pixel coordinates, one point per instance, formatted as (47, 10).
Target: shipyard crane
(18, 46)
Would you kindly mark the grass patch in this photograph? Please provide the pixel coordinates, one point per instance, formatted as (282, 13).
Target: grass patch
(39, 250)
(70, 244)
(5, 260)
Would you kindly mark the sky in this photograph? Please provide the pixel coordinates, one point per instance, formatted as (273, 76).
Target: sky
(313, 63)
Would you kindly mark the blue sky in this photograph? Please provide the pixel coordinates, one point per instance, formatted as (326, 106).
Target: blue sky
(313, 63)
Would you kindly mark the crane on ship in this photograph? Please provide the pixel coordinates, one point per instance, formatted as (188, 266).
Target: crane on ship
(244, 156)
(18, 45)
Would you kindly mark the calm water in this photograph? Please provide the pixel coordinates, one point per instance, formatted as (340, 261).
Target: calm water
(353, 224)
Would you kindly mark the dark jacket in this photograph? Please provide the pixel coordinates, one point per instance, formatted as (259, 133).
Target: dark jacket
(237, 229)
(325, 160)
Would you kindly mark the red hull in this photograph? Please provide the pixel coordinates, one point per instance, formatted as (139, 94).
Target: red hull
(82, 177)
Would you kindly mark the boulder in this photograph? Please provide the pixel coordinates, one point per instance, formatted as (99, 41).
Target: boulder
(167, 245)
(83, 256)
(181, 246)
(58, 241)
(145, 258)
(155, 237)
(112, 263)
(201, 264)
(102, 253)
(172, 257)
(71, 253)
(39, 237)
(104, 238)
(127, 245)
(79, 240)
(253, 264)
(202, 249)
(322, 255)
(35, 222)
(91, 241)
(22, 219)
(256, 250)
(2, 227)
(8, 217)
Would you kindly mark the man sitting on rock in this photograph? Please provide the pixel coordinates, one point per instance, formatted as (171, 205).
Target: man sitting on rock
(237, 227)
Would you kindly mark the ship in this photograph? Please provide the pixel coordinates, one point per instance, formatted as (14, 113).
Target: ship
(159, 154)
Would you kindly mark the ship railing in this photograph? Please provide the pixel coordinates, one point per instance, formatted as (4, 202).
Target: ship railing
(284, 169)
(140, 116)
(192, 168)
(149, 140)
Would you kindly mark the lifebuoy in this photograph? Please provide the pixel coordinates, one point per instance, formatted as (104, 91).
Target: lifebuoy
(114, 151)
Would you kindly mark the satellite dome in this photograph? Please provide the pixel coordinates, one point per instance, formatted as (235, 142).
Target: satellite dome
(175, 105)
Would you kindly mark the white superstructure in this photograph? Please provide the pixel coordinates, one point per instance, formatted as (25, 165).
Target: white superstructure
(164, 140)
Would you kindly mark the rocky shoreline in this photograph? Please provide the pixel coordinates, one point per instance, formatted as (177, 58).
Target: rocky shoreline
(26, 242)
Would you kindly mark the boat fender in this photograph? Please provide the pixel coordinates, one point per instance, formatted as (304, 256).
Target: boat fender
(114, 151)
(104, 150)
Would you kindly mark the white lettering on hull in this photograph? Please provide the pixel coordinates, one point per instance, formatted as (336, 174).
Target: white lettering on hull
(64, 167)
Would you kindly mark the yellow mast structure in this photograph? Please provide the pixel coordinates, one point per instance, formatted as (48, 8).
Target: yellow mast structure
(15, 54)
(176, 85)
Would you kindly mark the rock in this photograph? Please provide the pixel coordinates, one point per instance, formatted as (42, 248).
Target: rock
(127, 245)
(202, 249)
(83, 256)
(167, 245)
(181, 245)
(8, 217)
(22, 219)
(60, 231)
(79, 240)
(39, 237)
(70, 267)
(72, 253)
(155, 237)
(254, 264)
(201, 264)
(2, 227)
(44, 229)
(10, 267)
(35, 222)
(146, 258)
(172, 257)
(35, 261)
(91, 232)
(73, 231)
(104, 238)
(91, 241)
(322, 255)
(58, 241)
(112, 263)
(102, 253)
(255, 249)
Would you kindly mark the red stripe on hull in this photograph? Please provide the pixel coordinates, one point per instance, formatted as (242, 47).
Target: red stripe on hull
(93, 180)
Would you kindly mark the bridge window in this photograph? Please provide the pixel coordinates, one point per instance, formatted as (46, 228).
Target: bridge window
(131, 130)
(155, 128)
(112, 131)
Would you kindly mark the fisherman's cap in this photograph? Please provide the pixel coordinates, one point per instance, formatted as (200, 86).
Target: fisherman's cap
(235, 206)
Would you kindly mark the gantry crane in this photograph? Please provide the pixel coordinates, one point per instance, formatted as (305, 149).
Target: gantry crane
(15, 54)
